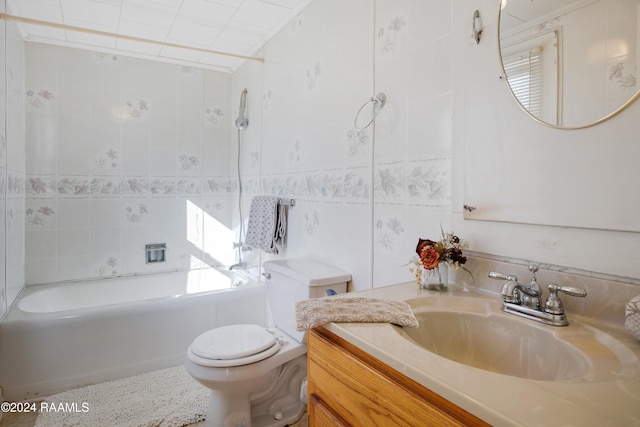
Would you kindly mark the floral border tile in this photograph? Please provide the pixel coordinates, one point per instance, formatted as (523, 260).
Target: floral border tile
(162, 187)
(40, 186)
(73, 186)
(134, 186)
(335, 186)
(356, 185)
(429, 182)
(389, 183)
(219, 185)
(104, 186)
(15, 184)
(188, 187)
(421, 183)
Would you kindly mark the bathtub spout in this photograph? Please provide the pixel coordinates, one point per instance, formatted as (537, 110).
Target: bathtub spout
(242, 265)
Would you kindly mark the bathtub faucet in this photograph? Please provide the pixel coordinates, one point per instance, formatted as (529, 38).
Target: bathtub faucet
(241, 246)
(242, 265)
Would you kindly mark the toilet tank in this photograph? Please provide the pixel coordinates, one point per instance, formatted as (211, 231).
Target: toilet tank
(292, 280)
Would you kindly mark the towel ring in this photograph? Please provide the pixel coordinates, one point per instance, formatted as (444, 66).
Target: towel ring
(379, 101)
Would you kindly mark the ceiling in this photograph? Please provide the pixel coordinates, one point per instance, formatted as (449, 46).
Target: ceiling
(183, 31)
(518, 12)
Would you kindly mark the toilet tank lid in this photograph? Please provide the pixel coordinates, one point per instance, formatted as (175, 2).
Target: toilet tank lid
(308, 271)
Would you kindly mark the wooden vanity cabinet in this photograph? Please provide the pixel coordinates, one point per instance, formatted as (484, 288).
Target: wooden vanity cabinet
(349, 387)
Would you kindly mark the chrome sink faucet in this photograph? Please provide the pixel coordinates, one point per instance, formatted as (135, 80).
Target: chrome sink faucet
(513, 292)
(524, 300)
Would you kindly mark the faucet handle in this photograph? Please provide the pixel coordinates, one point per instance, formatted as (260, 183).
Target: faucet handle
(509, 291)
(553, 305)
(574, 292)
(500, 276)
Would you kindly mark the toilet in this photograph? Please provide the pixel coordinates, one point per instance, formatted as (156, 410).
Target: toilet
(256, 374)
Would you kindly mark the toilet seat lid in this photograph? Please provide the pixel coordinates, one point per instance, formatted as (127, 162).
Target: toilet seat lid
(233, 342)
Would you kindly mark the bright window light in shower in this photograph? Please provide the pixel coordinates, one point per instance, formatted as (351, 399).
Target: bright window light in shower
(208, 280)
(209, 236)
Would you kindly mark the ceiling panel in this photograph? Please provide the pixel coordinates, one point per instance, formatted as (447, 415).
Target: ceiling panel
(91, 12)
(239, 27)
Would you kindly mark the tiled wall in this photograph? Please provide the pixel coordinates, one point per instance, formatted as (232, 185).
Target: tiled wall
(12, 167)
(302, 142)
(359, 191)
(123, 152)
(413, 135)
(161, 151)
(366, 197)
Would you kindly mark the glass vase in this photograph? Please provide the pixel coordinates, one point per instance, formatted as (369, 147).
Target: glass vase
(436, 279)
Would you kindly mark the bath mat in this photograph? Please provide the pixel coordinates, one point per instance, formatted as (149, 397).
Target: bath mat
(167, 398)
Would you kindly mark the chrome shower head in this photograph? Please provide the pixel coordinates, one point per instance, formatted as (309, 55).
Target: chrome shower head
(242, 122)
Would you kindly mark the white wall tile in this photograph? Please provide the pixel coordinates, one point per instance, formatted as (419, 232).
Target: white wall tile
(74, 267)
(110, 166)
(105, 212)
(74, 213)
(105, 243)
(41, 244)
(74, 242)
(41, 143)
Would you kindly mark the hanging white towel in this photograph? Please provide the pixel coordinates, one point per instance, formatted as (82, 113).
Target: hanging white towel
(267, 224)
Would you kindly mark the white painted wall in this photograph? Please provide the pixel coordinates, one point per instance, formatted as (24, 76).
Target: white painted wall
(444, 96)
(547, 175)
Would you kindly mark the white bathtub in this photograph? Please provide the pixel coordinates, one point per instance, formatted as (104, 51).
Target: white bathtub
(61, 336)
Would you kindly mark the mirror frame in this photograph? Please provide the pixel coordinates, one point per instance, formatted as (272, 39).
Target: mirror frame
(503, 77)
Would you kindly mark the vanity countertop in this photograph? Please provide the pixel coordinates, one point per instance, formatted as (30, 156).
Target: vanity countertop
(498, 399)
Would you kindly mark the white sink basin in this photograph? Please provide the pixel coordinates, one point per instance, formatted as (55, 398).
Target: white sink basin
(479, 335)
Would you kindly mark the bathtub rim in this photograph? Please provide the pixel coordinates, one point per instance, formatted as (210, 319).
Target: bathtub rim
(14, 313)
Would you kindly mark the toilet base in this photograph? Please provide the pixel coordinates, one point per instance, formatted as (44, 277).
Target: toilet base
(228, 410)
(281, 405)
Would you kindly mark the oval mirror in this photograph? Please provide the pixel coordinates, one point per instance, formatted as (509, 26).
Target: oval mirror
(571, 64)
